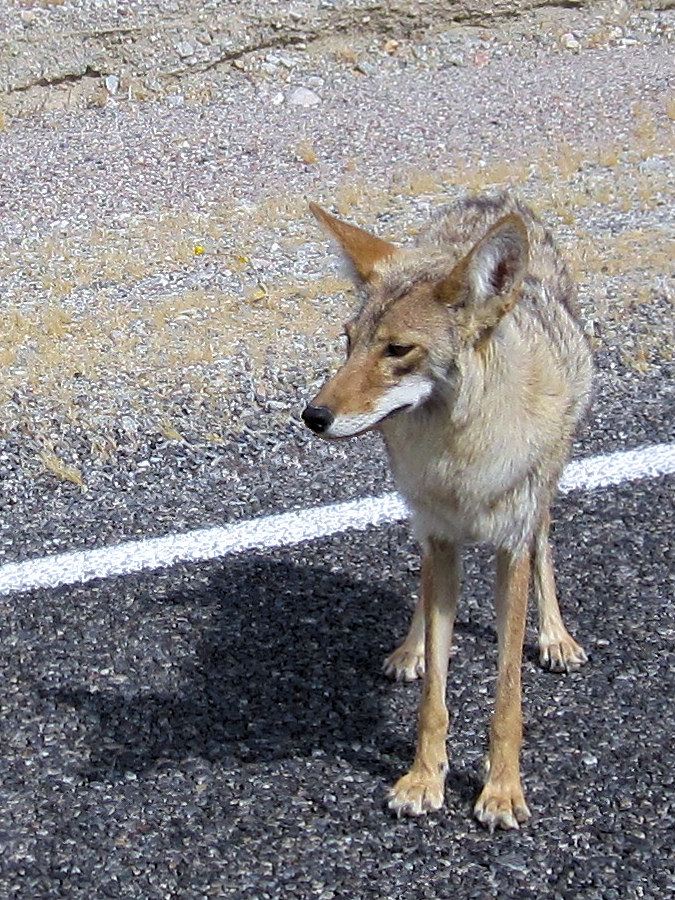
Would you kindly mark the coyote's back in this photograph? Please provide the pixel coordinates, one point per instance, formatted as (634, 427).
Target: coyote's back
(468, 356)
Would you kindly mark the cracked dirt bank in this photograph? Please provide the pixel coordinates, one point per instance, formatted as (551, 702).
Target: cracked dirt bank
(56, 53)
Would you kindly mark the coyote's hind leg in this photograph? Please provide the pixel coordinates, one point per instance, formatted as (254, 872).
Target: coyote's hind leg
(406, 663)
(558, 651)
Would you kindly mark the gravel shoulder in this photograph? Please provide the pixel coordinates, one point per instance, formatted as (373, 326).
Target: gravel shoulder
(168, 304)
(58, 53)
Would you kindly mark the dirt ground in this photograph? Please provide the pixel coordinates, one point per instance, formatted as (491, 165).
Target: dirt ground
(162, 281)
(57, 52)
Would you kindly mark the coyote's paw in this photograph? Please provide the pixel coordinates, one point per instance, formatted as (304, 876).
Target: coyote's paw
(561, 653)
(501, 805)
(418, 793)
(405, 664)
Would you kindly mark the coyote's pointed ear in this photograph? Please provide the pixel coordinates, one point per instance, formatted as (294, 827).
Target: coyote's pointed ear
(488, 278)
(363, 250)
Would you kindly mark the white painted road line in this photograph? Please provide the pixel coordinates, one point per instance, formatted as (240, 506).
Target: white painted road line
(285, 529)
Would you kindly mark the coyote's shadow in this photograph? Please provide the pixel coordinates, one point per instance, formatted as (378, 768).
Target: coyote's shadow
(291, 666)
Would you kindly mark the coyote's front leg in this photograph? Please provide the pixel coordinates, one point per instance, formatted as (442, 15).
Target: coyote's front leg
(502, 802)
(558, 651)
(421, 790)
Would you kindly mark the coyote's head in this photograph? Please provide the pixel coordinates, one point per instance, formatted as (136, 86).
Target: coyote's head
(425, 310)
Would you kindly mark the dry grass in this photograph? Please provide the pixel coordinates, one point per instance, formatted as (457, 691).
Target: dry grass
(645, 126)
(44, 4)
(306, 152)
(355, 193)
(170, 432)
(63, 470)
(569, 160)
(103, 332)
(412, 182)
(609, 156)
(187, 335)
(344, 53)
(640, 254)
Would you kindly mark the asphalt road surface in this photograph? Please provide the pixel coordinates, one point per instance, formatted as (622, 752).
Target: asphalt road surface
(223, 729)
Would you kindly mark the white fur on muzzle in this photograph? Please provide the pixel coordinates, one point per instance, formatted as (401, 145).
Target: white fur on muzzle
(410, 392)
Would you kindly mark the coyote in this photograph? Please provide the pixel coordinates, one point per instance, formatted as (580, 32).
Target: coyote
(468, 356)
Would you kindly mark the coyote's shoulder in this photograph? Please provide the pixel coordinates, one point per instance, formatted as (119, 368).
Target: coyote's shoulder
(548, 297)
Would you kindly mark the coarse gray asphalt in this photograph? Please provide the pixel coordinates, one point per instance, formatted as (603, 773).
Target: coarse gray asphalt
(223, 729)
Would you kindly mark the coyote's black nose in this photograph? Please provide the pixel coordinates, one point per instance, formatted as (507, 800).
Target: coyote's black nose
(318, 418)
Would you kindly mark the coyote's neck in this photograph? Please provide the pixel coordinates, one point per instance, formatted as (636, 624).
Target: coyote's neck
(477, 442)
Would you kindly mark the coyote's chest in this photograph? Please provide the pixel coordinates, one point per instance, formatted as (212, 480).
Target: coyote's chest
(465, 485)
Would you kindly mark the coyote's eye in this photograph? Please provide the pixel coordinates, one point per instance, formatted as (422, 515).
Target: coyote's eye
(399, 350)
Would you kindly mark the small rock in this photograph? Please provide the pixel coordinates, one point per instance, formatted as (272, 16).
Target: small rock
(512, 861)
(111, 82)
(588, 759)
(185, 49)
(570, 42)
(655, 164)
(455, 36)
(304, 97)
(366, 68)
